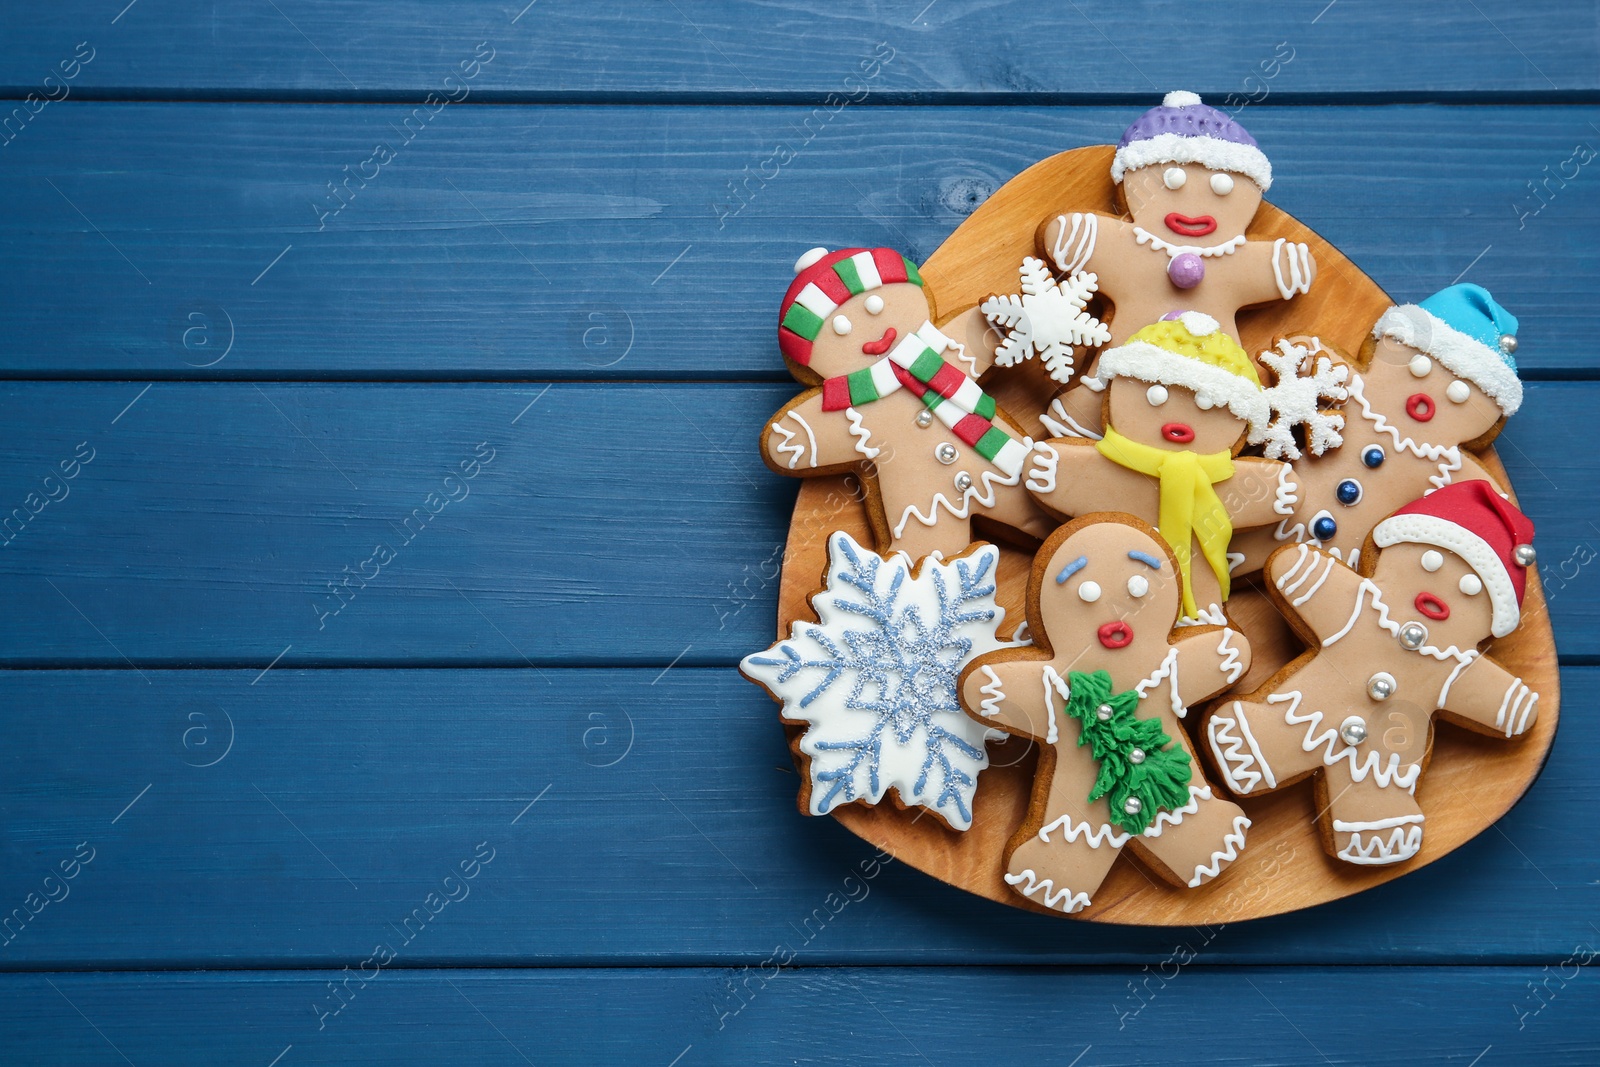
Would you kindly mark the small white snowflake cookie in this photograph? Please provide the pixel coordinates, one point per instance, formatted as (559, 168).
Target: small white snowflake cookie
(876, 680)
(1307, 376)
(1046, 318)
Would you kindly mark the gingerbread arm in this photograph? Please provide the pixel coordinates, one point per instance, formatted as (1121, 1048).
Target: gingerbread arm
(1078, 412)
(1068, 242)
(1319, 594)
(972, 342)
(1075, 462)
(1486, 698)
(802, 439)
(1274, 270)
(1010, 694)
(1210, 659)
(1261, 492)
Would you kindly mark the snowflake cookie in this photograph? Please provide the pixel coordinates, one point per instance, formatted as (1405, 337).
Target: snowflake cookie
(1047, 318)
(875, 681)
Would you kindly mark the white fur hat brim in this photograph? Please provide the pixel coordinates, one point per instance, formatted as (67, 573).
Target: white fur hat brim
(1180, 148)
(1415, 327)
(1211, 385)
(1453, 537)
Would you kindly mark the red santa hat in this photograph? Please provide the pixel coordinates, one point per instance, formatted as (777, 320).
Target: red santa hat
(1476, 523)
(823, 280)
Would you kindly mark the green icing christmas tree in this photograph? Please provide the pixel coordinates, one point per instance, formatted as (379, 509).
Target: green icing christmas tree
(1136, 762)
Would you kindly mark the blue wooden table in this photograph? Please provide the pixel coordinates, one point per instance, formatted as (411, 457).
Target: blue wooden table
(382, 521)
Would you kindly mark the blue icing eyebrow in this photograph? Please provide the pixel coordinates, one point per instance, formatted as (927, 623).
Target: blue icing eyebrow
(1072, 568)
(1145, 558)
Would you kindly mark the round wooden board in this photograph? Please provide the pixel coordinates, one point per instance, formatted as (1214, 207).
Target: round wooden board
(1472, 780)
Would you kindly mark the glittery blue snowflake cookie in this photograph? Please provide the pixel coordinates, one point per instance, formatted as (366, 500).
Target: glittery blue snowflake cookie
(875, 682)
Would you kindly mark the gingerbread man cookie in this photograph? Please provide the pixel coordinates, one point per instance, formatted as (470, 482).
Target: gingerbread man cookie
(1103, 692)
(1391, 647)
(1438, 381)
(1179, 400)
(899, 400)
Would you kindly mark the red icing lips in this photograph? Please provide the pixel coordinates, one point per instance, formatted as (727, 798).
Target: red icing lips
(1179, 433)
(1184, 226)
(1420, 406)
(1115, 634)
(881, 345)
(1432, 607)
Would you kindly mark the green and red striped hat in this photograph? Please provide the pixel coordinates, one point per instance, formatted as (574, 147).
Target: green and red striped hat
(824, 280)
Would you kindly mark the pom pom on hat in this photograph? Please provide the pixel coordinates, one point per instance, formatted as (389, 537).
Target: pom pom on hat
(1466, 330)
(1483, 528)
(1184, 130)
(1191, 351)
(824, 280)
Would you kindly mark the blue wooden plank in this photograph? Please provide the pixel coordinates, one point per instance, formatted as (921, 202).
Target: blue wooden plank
(634, 817)
(712, 49)
(1199, 1015)
(655, 242)
(212, 517)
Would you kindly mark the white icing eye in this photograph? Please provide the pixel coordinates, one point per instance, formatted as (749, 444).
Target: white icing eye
(1174, 177)
(841, 325)
(1089, 592)
(1471, 584)
(874, 304)
(1203, 402)
(1420, 366)
(1222, 184)
(1157, 395)
(1138, 585)
(1458, 391)
(1432, 561)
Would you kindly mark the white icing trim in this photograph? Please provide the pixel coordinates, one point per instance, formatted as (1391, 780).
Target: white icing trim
(1175, 817)
(983, 484)
(1507, 717)
(1231, 844)
(1075, 902)
(1226, 248)
(1441, 532)
(1299, 259)
(1042, 473)
(1415, 327)
(1207, 616)
(1369, 590)
(786, 446)
(1434, 453)
(1080, 247)
(1064, 425)
(1384, 772)
(1287, 494)
(1221, 388)
(1211, 152)
(1094, 837)
(1240, 758)
(1309, 593)
(1230, 664)
(861, 434)
(1401, 844)
(993, 693)
(1168, 668)
(1053, 684)
(1342, 827)
(1235, 560)
(970, 361)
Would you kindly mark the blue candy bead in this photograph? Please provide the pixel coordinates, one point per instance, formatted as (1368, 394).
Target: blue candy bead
(1348, 491)
(1373, 456)
(1323, 527)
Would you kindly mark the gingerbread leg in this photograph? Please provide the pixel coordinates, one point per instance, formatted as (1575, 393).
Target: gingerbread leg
(1255, 545)
(1063, 864)
(949, 537)
(1192, 845)
(1366, 823)
(1256, 747)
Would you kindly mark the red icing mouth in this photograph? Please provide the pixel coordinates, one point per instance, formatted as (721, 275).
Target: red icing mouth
(1115, 634)
(1432, 607)
(881, 345)
(1190, 227)
(1420, 406)
(1179, 433)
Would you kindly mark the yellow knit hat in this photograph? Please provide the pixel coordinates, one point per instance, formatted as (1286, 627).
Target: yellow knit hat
(1193, 352)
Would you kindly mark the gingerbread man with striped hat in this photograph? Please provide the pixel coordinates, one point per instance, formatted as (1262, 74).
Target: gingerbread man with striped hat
(898, 401)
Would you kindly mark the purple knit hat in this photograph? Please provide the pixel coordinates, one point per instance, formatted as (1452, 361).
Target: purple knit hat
(1183, 130)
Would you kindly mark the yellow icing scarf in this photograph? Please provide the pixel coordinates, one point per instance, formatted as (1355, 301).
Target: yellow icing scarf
(1189, 504)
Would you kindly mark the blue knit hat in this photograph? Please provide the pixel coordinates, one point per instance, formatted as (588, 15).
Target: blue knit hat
(1466, 330)
(1183, 130)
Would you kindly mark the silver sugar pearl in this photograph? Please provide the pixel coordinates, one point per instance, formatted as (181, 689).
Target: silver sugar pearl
(963, 481)
(1353, 730)
(924, 418)
(1380, 686)
(1524, 555)
(1508, 343)
(1136, 756)
(946, 453)
(1103, 713)
(1132, 805)
(1413, 635)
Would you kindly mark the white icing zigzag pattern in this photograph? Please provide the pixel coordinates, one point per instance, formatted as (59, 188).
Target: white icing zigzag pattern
(1241, 761)
(1169, 666)
(1042, 473)
(1384, 773)
(1230, 664)
(1060, 424)
(981, 491)
(1075, 237)
(1094, 837)
(787, 447)
(861, 434)
(1231, 844)
(1287, 493)
(1052, 897)
(1402, 843)
(993, 693)
(1450, 455)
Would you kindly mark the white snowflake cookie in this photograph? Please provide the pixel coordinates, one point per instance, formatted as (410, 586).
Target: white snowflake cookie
(1047, 318)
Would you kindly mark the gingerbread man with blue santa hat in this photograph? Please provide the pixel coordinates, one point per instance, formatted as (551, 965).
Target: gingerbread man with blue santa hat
(1435, 382)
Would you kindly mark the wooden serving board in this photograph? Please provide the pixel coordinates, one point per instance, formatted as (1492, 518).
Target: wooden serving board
(1472, 780)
